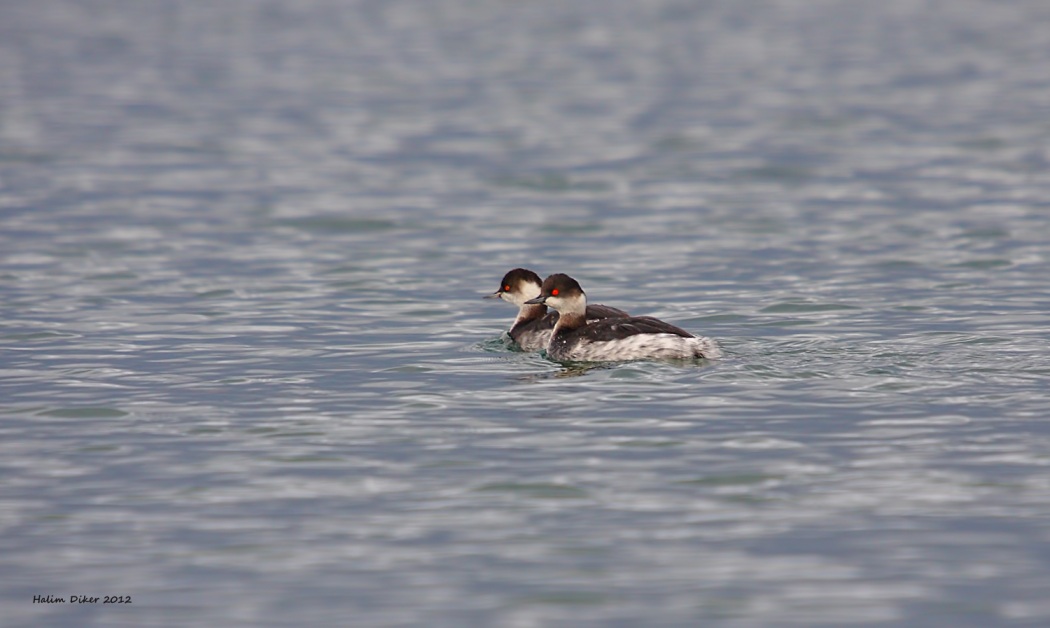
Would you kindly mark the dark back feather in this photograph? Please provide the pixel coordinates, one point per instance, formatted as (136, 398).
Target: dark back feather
(620, 328)
(599, 311)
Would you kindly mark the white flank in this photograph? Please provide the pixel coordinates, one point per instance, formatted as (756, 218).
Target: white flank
(639, 347)
(534, 340)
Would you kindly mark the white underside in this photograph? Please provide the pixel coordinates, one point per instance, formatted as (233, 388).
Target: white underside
(638, 347)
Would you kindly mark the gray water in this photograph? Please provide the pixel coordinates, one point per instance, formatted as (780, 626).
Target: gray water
(247, 378)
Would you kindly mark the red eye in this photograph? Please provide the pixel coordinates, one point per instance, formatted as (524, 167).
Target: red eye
(554, 292)
(506, 288)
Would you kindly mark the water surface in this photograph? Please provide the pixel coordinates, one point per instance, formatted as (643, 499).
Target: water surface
(247, 377)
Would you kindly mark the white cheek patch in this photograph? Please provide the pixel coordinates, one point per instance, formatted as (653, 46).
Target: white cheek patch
(511, 298)
(528, 290)
(521, 293)
(567, 304)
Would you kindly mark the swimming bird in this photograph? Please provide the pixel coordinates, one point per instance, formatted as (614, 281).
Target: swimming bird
(533, 325)
(575, 339)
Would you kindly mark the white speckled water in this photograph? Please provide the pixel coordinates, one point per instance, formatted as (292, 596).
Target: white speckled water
(247, 377)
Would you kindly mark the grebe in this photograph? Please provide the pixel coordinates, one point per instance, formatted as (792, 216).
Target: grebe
(533, 325)
(574, 338)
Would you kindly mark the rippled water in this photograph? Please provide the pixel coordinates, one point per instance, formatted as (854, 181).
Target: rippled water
(246, 376)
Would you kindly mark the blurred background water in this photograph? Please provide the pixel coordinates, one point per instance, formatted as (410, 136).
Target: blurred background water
(246, 377)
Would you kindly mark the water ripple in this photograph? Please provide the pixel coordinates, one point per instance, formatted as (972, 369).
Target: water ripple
(240, 275)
